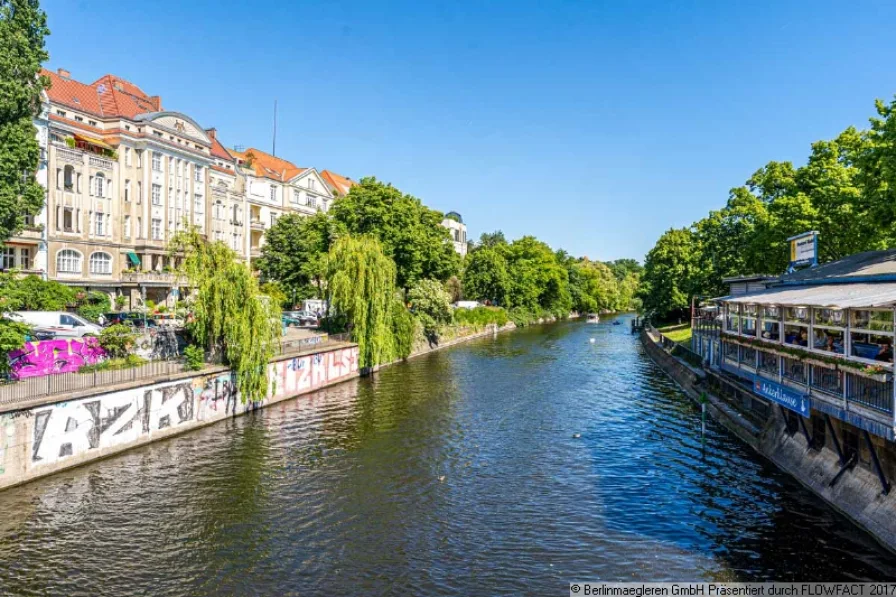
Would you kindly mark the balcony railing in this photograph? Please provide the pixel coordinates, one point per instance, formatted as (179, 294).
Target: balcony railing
(67, 154)
(257, 224)
(158, 277)
(102, 163)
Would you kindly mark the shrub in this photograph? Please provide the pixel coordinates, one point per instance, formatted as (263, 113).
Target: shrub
(431, 305)
(195, 357)
(117, 340)
(92, 304)
(481, 316)
(120, 301)
(127, 362)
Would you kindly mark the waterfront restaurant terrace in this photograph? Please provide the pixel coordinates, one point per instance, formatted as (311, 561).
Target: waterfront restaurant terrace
(833, 343)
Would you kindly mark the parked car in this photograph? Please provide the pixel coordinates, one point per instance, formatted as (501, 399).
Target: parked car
(466, 304)
(131, 318)
(58, 323)
(299, 319)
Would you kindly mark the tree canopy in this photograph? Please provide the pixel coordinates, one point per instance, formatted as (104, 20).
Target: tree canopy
(23, 27)
(845, 191)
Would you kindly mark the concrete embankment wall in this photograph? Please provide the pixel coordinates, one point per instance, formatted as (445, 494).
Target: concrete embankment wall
(857, 493)
(52, 436)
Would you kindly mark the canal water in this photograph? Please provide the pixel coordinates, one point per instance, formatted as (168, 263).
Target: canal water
(513, 464)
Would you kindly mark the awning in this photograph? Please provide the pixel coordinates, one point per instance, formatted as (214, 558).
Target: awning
(835, 296)
(96, 142)
(133, 258)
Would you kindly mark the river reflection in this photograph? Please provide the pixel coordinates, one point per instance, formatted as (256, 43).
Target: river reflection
(456, 473)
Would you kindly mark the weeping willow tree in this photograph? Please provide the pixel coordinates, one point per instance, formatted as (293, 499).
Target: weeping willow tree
(361, 286)
(233, 320)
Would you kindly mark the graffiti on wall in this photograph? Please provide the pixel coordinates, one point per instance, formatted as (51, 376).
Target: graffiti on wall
(100, 423)
(72, 428)
(50, 357)
(310, 372)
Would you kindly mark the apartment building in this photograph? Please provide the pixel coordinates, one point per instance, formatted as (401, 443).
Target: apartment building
(455, 225)
(122, 175)
(339, 185)
(275, 186)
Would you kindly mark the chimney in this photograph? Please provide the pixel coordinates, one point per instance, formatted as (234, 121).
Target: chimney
(64, 73)
(156, 101)
(211, 133)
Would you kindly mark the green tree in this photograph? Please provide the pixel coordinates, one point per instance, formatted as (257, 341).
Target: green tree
(361, 287)
(233, 319)
(295, 253)
(31, 293)
(23, 27)
(537, 280)
(410, 233)
(671, 273)
(431, 305)
(485, 276)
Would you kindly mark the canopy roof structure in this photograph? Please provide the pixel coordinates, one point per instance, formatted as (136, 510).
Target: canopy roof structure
(832, 296)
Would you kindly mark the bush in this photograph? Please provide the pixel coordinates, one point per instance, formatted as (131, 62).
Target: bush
(195, 357)
(117, 340)
(93, 304)
(127, 362)
(120, 301)
(481, 316)
(431, 305)
(404, 328)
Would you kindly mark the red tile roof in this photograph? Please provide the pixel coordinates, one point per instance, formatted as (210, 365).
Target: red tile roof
(266, 165)
(342, 184)
(108, 96)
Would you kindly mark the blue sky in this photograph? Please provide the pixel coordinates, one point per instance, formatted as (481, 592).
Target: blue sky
(594, 126)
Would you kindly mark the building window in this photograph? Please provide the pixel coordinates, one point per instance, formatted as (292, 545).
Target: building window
(273, 219)
(127, 226)
(156, 161)
(8, 258)
(68, 219)
(829, 330)
(296, 196)
(139, 192)
(100, 181)
(156, 229)
(139, 227)
(91, 122)
(273, 193)
(139, 153)
(60, 113)
(156, 194)
(101, 263)
(100, 221)
(198, 203)
(78, 119)
(197, 173)
(312, 201)
(771, 324)
(748, 320)
(25, 258)
(68, 178)
(127, 190)
(127, 156)
(68, 261)
(311, 183)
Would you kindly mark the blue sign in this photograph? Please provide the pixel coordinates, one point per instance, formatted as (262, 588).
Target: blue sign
(784, 396)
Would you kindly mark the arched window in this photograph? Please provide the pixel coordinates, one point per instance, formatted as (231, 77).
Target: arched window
(68, 261)
(100, 263)
(99, 180)
(69, 178)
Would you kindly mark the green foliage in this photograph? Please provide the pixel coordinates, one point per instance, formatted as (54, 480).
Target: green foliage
(295, 253)
(431, 305)
(233, 319)
(361, 287)
(454, 288)
(30, 293)
(194, 356)
(404, 329)
(671, 273)
(23, 27)
(410, 233)
(93, 304)
(481, 316)
(12, 337)
(275, 292)
(120, 302)
(128, 362)
(486, 277)
(117, 340)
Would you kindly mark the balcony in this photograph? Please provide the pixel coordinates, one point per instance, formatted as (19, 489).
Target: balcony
(31, 232)
(66, 154)
(157, 278)
(254, 252)
(101, 163)
(257, 224)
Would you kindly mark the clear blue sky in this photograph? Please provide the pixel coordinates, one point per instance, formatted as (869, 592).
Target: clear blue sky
(594, 126)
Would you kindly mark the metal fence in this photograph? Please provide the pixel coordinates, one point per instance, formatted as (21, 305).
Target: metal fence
(24, 390)
(869, 392)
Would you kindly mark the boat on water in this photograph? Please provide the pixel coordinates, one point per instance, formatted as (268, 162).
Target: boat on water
(617, 322)
(593, 318)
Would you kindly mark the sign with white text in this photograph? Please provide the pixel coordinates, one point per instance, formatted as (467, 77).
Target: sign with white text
(804, 249)
(786, 397)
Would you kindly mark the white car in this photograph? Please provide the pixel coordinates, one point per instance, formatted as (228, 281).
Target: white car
(58, 323)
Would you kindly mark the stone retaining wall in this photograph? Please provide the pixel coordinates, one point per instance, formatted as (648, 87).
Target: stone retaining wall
(857, 493)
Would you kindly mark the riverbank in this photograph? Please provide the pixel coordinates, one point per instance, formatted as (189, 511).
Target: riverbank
(854, 491)
(52, 434)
